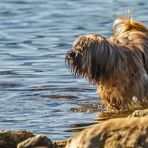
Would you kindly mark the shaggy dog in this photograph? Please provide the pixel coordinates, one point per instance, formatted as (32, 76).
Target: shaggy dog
(118, 65)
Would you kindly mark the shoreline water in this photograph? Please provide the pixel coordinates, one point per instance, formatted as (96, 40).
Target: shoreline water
(135, 124)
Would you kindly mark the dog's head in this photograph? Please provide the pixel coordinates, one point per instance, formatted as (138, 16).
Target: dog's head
(88, 57)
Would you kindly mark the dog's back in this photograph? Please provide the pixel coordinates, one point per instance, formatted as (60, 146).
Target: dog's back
(128, 32)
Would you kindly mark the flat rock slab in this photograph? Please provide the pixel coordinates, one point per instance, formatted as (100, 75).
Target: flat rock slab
(114, 133)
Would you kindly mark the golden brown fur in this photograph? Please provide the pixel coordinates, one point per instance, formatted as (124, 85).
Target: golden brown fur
(118, 65)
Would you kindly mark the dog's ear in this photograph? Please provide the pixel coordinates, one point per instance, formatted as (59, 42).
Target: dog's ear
(100, 58)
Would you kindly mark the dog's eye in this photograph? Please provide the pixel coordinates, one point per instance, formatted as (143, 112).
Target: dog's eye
(79, 52)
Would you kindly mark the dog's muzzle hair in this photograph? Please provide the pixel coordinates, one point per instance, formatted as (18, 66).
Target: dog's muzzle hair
(118, 65)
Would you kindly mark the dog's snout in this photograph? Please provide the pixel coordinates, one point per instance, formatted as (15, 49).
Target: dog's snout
(70, 54)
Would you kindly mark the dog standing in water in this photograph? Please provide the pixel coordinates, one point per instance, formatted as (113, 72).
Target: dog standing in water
(117, 65)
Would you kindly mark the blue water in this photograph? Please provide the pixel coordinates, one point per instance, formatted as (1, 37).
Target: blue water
(37, 90)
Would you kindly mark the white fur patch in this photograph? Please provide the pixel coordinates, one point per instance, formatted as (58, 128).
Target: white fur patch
(134, 98)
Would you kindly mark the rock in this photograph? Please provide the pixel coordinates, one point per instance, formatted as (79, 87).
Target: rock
(37, 141)
(113, 133)
(24, 139)
(59, 144)
(10, 139)
(139, 113)
(113, 114)
(89, 107)
(120, 114)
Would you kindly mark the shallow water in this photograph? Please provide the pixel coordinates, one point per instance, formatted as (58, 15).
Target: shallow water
(37, 90)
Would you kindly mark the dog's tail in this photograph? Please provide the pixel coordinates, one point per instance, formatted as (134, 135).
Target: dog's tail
(124, 24)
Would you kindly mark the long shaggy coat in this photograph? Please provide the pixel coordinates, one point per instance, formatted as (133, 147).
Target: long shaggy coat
(118, 65)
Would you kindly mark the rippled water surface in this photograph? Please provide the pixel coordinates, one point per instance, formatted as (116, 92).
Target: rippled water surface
(37, 90)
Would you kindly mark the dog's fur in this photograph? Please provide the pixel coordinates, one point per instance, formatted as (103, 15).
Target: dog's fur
(118, 65)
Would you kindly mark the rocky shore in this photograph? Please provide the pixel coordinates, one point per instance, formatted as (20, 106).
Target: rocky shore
(130, 131)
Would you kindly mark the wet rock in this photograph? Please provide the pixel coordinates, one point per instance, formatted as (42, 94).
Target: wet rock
(120, 114)
(37, 141)
(89, 107)
(10, 139)
(113, 114)
(113, 133)
(139, 113)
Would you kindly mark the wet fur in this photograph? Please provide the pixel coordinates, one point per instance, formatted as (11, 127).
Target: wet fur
(118, 65)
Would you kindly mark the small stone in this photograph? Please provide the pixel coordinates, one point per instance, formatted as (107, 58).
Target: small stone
(37, 141)
(59, 144)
